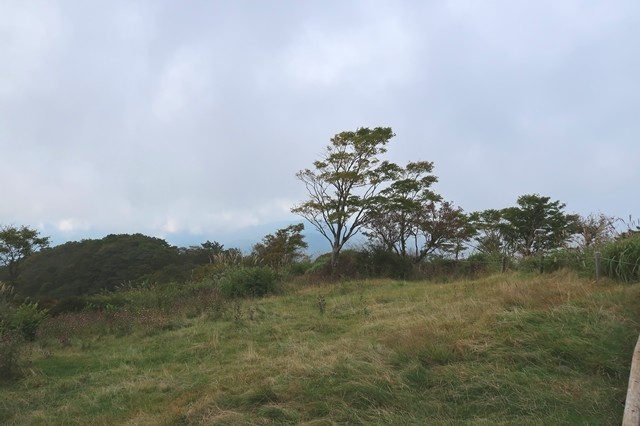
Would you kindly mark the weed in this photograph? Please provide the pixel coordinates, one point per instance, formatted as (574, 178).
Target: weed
(321, 304)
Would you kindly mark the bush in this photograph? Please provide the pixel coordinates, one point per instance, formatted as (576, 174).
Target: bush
(249, 281)
(70, 304)
(320, 264)
(25, 320)
(379, 263)
(299, 268)
(485, 263)
(579, 260)
(531, 264)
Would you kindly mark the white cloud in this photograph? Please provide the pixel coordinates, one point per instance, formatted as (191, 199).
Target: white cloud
(71, 225)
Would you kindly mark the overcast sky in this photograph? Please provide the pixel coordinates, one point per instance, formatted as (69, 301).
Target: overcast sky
(175, 118)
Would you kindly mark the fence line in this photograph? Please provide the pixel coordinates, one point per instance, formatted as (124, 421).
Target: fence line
(504, 262)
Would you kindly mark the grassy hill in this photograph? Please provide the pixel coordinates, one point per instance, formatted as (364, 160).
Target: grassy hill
(507, 349)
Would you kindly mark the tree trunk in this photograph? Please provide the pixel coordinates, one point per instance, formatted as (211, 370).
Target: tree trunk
(335, 251)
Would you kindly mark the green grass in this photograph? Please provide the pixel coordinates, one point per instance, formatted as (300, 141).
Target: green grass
(550, 349)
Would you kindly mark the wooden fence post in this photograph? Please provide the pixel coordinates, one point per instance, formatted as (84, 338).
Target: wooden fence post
(598, 270)
(503, 267)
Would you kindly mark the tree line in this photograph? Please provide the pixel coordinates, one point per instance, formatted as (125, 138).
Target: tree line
(352, 190)
(78, 268)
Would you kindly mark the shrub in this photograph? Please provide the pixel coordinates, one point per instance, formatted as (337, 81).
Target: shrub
(299, 268)
(70, 304)
(380, 263)
(249, 281)
(484, 263)
(531, 263)
(25, 319)
(321, 263)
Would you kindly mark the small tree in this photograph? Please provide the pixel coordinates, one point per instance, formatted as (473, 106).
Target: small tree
(282, 248)
(16, 244)
(343, 185)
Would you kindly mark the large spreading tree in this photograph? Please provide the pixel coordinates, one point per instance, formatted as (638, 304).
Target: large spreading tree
(344, 183)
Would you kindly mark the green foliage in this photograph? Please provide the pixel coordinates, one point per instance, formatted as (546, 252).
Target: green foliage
(377, 262)
(344, 183)
(531, 264)
(397, 212)
(440, 268)
(443, 228)
(17, 244)
(249, 282)
(320, 263)
(24, 320)
(212, 249)
(299, 268)
(580, 260)
(621, 258)
(281, 249)
(90, 266)
(574, 259)
(534, 212)
(488, 236)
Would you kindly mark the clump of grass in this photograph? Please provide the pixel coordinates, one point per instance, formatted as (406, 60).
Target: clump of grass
(621, 258)
(321, 304)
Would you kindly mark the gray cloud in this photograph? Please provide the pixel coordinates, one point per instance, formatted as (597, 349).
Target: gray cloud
(166, 117)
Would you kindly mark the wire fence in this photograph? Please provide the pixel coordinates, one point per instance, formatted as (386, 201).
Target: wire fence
(543, 261)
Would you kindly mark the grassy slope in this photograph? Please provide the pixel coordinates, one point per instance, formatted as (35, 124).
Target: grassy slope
(549, 349)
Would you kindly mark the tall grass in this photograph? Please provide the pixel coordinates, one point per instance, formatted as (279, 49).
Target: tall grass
(621, 259)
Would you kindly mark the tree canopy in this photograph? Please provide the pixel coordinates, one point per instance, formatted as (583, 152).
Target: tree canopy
(536, 224)
(344, 183)
(16, 244)
(282, 248)
(84, 267)
(394, 220)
